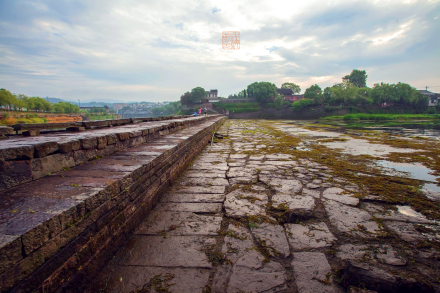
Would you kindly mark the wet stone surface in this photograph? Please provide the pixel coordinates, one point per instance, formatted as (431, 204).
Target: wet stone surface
(250, 216)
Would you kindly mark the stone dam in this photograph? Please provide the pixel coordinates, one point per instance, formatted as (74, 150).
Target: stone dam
(206, 204)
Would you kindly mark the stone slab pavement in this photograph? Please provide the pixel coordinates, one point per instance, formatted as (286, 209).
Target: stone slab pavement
(244, 218)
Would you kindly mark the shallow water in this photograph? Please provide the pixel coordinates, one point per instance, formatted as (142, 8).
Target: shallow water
(408, 211)
(414, 170)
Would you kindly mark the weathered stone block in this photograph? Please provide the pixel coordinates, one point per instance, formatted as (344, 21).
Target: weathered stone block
(89, 143)
(10, 251)
(8, 153)
(123, 135)
(45, 166)
(43, 149)
(13, 173)
(70, 145)
(102, 142)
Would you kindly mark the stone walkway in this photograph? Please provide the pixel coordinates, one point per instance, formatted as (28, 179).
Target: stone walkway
(244, 220)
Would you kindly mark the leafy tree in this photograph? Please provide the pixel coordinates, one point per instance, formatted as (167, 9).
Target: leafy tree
(326, 95)
(106, 107)
(278, 102)
(6, 97)
(290, 85)
(197, 95)
(357, 77)
(242, 94)
(185, 98)
(245, 94)
(315, 93)
(262, 91)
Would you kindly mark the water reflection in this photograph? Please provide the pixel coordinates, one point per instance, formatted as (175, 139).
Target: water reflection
(414, 170)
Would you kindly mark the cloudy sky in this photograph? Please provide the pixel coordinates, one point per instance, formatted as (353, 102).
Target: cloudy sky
(155, 50)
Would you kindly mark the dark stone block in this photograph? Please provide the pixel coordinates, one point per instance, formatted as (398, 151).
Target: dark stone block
(13, 173)
(20, 152)
(43, 149)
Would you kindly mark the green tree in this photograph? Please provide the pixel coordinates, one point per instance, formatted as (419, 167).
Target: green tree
(262, 91)
(6, 98)
(315, 93)
(185, 98)
(290, 85)
(197, 95)
(356, 77)
(278, 102)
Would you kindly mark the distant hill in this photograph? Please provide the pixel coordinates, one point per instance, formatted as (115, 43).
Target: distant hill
(53, 100)
(96, 104)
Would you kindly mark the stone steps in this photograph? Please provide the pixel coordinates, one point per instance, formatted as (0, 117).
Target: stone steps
(60, 230)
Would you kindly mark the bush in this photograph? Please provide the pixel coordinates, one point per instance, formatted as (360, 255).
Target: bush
(237, 107)
(432, 110)
(298, 105)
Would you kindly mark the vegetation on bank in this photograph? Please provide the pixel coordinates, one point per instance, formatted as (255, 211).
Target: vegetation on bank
(237, 107)
(354, 92)
(382, 117)
(28, 119)
(21, 102)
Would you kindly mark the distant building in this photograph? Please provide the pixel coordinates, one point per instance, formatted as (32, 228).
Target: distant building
(289, 95)
(433, 97)
(119, 106)
(294, 98)
(211, 97)
(212, 94)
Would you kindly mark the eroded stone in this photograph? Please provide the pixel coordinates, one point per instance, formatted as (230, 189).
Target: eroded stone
(382, 253)
(308, 236)
(340, 195)
(273, 238)
(406, 231)
(312, 272)
(286, 186)
(127, 279)
(351, 220)
(239, 204)
(181, 223)
(181, 251)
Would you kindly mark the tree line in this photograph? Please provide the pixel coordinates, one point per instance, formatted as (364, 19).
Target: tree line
(23, 102)
(353, 91)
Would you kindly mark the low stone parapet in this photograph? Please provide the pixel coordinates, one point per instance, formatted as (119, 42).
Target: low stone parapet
(25, 159)
(59, 231)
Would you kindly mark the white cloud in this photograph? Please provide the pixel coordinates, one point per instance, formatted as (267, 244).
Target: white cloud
(157, 50)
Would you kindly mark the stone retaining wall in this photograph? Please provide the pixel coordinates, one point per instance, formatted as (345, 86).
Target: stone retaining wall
(25, 159)
(62, 229)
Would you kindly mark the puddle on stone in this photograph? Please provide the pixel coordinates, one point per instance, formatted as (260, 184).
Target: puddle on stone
(414, 170)
(408, 211)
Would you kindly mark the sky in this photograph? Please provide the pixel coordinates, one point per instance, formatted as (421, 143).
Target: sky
(156, 50)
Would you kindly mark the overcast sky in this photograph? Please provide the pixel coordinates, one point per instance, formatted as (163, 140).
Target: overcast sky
(155, 50)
